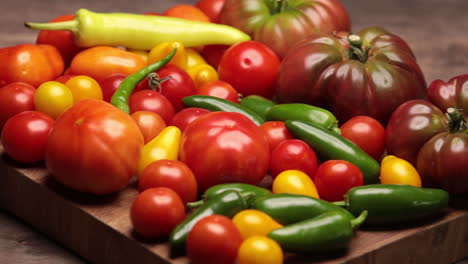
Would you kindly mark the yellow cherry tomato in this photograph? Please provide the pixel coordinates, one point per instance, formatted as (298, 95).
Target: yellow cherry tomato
(260, 250)
(295, 182)
(202, 74)
(84, 87)
(254, 223)
(53, 98)
(164, 146)
(394, 170)
(161, 50)
(194, 58)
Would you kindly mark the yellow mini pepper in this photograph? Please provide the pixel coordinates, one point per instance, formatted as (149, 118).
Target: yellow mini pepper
(394, 170)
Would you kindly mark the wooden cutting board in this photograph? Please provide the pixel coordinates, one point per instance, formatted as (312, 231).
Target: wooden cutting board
(99, 228)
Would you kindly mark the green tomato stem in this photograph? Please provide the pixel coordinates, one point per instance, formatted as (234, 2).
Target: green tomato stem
(356, 51)
(456, 120)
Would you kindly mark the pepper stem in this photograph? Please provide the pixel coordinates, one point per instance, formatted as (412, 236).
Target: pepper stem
(340, 203)
(71, 25)
(195, 204)
(356, 51)
(356, 222)
(456, 121)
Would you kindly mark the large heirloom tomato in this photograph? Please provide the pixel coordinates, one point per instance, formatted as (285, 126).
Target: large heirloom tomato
(222, 147)
(94, 147)
(280, 24)
(370, 73)
(432, 134)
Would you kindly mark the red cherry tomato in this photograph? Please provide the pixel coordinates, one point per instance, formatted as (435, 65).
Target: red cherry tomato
(110, 84)
(176, 87)
(172, 174)
(148, 100)
(367, 133)
(15, 98)
(293, 154)
(25, 136)
(213, 54)
(186, 116)
(214, 239)
(150, 124)
(212, 8)
(63, 40)
(156, 211)
(251, 68)
(220, 89)
(335, 177)
(275, 132)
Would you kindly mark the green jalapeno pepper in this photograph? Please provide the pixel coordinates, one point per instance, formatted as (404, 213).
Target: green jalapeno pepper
(242, 188)
(327, 232)
(142, 32)
(121, 96)
(329, 145)
(258, 104)
(304, 112)
(213, 103)
(292, 208)
(227, 203)
(393, 203)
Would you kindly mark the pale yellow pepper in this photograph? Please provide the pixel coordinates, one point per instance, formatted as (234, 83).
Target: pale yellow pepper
(161, 50)
(394, 170)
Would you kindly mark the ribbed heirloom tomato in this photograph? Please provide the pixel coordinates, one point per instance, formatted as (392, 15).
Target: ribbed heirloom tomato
(94, 147)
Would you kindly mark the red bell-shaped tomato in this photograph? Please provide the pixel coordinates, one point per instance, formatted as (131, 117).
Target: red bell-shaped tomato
(370, 73)
(436, 143)
(281, 23)
(223, 147)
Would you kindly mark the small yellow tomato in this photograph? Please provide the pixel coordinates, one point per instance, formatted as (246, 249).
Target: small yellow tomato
(260, 250)
(194, 58)
(84, 87)
(295, 182)
(161, 50)
(394, 170)
(53, 98)
(202, 74)
(252, 222)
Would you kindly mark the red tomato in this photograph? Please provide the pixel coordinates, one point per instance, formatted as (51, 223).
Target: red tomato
(212, 8)
(110, 84)
(335, 177)
(150, 124)
(223, 147)
(94, 147)
(152, 101)
(172, 174)
(63, 40)
(220, 89)
(176, 87)
(251, 68)
(275, 132)
(214, 239)
(25, 136)
(15, 98)
(293, 154)
(186, 116)
(156, 211)
(367, 133)
(213, 54)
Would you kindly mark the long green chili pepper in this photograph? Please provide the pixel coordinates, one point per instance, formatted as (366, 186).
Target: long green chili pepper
(227, 203)
(214, 191)
(142, 32)
(327, 232)
(126, 87)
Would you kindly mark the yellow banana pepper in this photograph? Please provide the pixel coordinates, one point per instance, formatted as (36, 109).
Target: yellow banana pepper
(394, 170)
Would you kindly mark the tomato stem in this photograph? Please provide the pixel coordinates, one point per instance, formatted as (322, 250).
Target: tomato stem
(279, 6)
(456, 120)
(356, 51)
(154, 81)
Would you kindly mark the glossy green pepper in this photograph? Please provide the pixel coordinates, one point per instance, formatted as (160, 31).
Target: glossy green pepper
(330, 231)
(242, 188)
(393, 203)
(258, 104)
(227, 203)
(292, 208)
(328, 145)
(142, 32)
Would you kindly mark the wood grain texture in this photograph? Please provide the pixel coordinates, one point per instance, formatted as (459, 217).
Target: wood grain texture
(435, 31)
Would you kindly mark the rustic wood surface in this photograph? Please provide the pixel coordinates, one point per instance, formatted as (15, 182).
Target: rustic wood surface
(434, 29)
